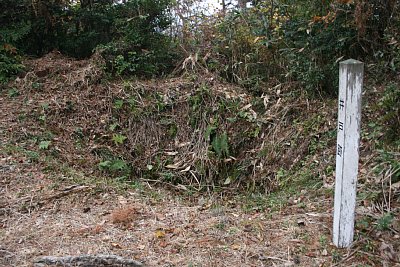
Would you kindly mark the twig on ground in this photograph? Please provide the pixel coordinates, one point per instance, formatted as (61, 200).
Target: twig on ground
(67, 191)
(348, 257)
(276, 258)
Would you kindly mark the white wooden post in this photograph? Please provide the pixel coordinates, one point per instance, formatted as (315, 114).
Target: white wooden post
(351, 74)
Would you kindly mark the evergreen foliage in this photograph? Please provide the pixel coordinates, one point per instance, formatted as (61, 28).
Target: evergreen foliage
(278, 41)
(130, 33)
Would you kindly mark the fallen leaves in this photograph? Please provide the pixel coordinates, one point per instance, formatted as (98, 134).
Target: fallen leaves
(235, 246)
(91, 230)
(159, 233)
(163, 244)
(116, 245)
(124, 215)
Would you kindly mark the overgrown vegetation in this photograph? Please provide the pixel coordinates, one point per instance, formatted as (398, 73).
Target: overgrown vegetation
(128, 34)
(292, 42)
(270, 43)
(249, 108)
(278, 51)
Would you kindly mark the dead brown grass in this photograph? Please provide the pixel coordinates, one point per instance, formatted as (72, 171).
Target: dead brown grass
(159, 227)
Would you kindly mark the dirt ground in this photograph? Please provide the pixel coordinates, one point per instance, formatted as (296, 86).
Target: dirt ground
(42, 214)
(48, 209)
(154, 228)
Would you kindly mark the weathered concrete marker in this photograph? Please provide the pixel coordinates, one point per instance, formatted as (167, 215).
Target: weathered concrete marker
(351, 74)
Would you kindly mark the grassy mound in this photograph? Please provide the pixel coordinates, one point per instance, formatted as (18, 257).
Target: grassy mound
(193, 132)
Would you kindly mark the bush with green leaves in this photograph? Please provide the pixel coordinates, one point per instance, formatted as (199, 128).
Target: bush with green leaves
(12, 31)
(298, 41)
(139, 46)
(279, 41)
(115, 167)
(246, 43)
(82, 29)
(10, 64)
(314, 49)
(129, 34)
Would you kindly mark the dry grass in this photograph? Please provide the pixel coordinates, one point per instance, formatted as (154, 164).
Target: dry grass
(192, 234)
(153, 225)
(166, 122)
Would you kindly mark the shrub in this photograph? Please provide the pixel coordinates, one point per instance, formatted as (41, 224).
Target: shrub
(139, 45)
(130, 33)
(10, 63)
(247, 44)
(11, 32)
(316, 45)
